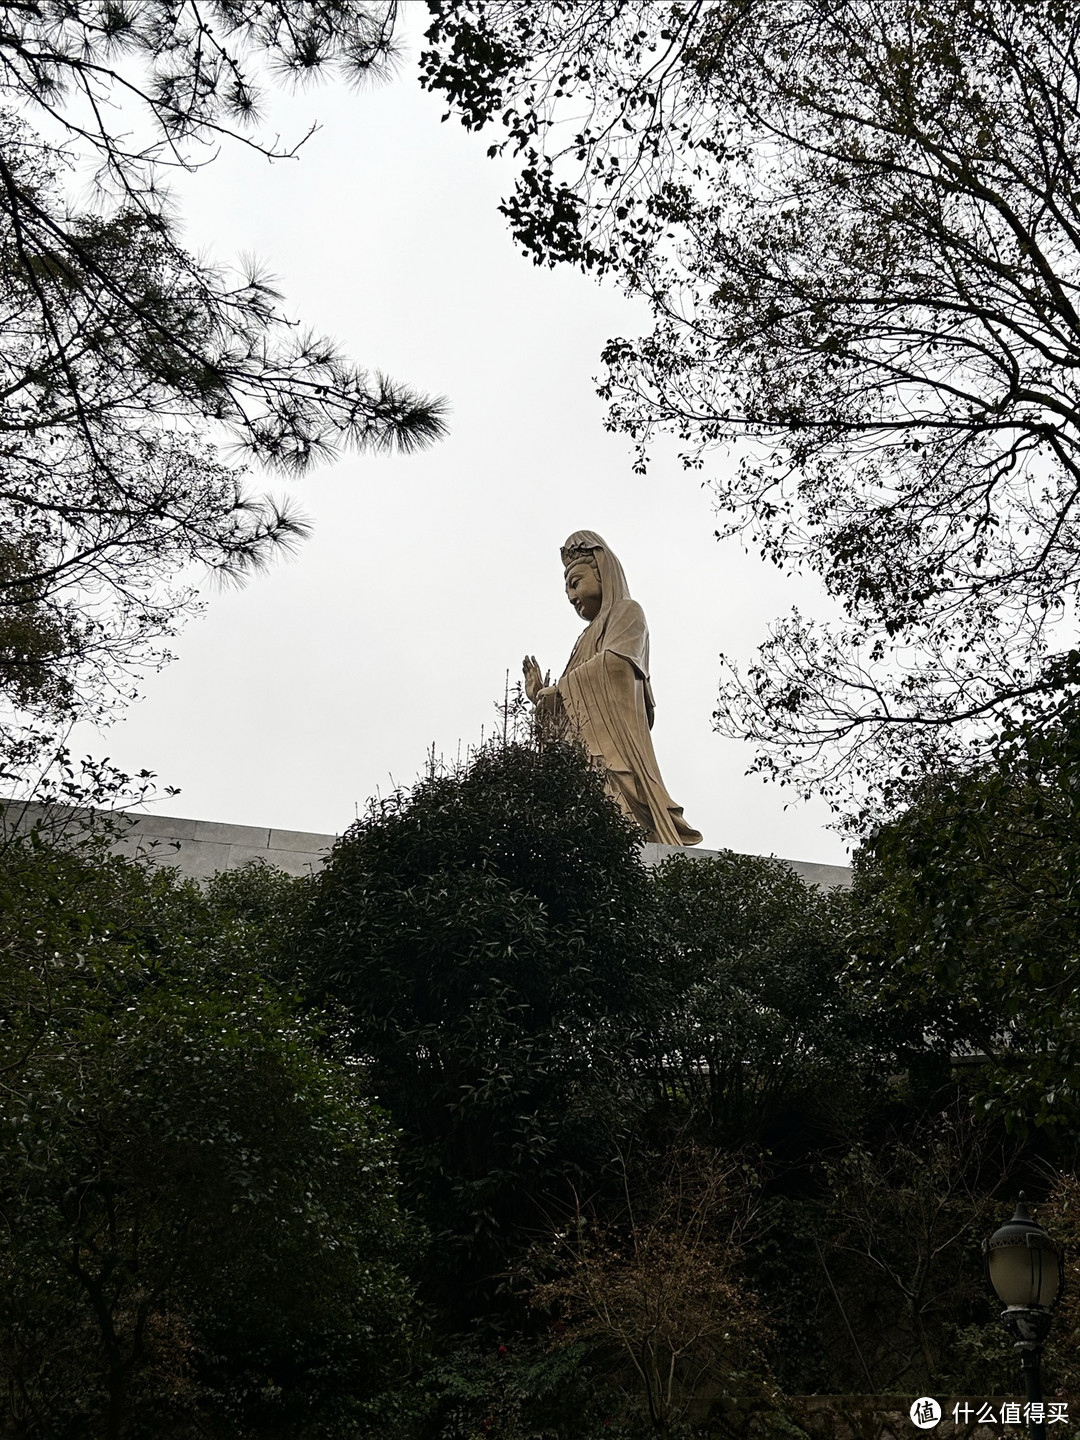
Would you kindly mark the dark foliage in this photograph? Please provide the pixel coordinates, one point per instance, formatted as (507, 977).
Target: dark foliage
(682, 1139)
(760, 1040)
(490, 935)
(199, 1233)
(967, 927)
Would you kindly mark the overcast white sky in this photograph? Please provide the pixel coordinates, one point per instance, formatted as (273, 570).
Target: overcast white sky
(328, 679)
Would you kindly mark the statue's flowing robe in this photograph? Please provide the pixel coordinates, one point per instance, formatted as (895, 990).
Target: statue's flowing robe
(604, 699)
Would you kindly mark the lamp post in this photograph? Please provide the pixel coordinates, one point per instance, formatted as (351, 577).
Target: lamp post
(1025, 1268)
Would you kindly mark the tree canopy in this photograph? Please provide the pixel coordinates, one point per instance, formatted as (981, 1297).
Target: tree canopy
(966, 926)
(489, 934)
(857, 227)
(128, 364)
(758, 1033)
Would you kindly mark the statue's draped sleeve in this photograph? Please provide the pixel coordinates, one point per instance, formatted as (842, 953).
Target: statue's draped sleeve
(604, 698)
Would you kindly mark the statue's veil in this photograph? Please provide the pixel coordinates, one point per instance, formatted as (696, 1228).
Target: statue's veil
(612, 576)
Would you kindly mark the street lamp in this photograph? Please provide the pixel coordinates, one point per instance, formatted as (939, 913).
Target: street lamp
(1025, 1268)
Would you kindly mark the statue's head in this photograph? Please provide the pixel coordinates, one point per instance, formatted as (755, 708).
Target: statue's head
(584, 589)
(594, 577)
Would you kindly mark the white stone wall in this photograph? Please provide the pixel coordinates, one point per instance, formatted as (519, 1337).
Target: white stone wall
(197, 848)
(827, 876)
(200, 848)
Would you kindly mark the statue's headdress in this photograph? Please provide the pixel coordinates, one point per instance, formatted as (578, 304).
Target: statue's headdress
(576, 549)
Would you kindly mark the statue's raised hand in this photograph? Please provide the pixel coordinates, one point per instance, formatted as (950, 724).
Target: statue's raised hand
(534, 681)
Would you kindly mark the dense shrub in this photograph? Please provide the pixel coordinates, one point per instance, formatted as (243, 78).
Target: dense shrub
(199, 1230)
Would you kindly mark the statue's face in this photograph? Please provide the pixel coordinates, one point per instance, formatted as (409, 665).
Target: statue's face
(583, 589)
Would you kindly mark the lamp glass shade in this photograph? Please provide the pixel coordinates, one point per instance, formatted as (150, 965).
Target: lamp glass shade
(1025, 1272)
